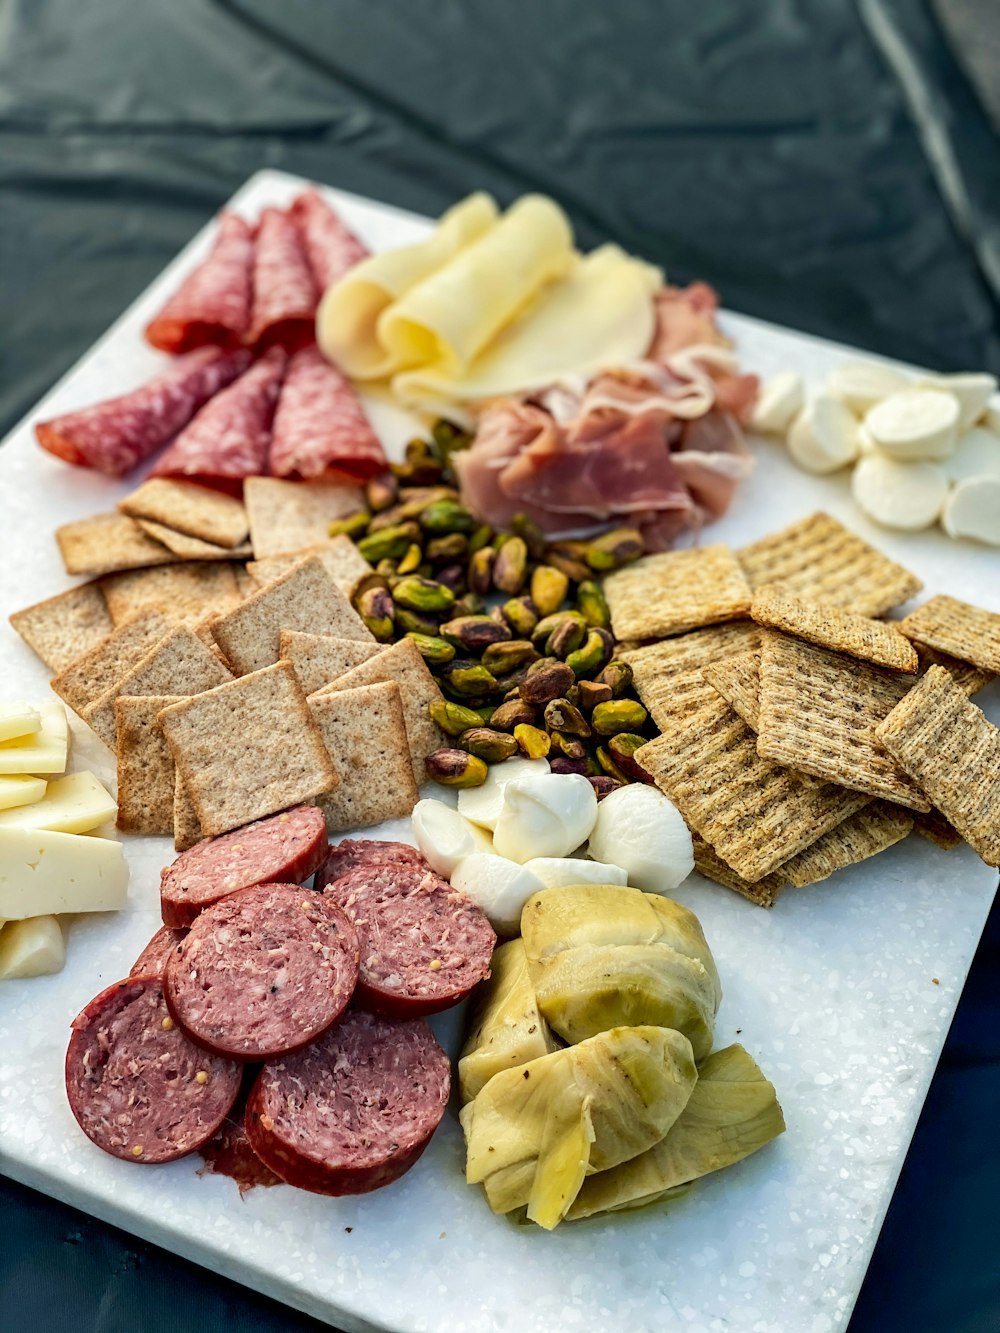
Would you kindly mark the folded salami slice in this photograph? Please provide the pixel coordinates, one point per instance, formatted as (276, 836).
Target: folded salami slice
(137, 1085)
(320, 426)
(229, 438)
(423, 945)
(354, 1110)
(212, 305)
(115, 435)
(330, 245)
(284, 290)
(355, 852)
(153, 958)
(263, 972)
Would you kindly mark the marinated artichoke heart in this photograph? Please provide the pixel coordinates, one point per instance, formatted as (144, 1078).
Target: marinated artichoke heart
(505, 1027)
(534, 1133)
(603, 956)
(732, 1112)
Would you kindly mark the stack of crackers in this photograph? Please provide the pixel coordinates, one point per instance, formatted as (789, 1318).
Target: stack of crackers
(230, 692)
(801, 731)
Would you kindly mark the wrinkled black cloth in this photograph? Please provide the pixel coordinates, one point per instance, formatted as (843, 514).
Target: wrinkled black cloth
(823, 165)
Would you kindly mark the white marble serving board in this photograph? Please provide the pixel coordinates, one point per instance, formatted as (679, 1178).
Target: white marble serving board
(843, 993)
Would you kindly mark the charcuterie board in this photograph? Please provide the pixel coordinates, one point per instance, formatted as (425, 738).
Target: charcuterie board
(843, 993)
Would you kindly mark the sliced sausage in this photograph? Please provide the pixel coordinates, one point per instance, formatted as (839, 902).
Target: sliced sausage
(153, 958)
(263, 971)
(423, 945)
(137, 1085)
(354, 1110)
(285, 848)
(355, 852)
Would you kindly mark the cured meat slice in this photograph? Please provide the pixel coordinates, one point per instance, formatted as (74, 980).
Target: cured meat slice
(320, 426)
(423, 945)
(263, 971)
(330, 245)
(354, 1110)
(137, 1085)
(355, 852)
(212, 304)
(285, 848)
(284, 290)
(153, 959)
(228, 440)
(228, 1153)
(116, 435)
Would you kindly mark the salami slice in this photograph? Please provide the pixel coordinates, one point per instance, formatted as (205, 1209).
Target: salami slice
(115, 435)
(354, 852)
(153, 958)
(228, 440)
(284, 291)
(320, 426)
(137, 1085)
(330, 245)
(285, 848)
(263, 972)
(354, 1110)
(423, 945)
(212, 305)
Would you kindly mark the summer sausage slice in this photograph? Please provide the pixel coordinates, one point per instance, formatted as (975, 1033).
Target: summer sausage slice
(283, 848)
(263, 971)
(137, 1085)
(355, 852)
(423, 945)
(354, 1110)
(153, 958)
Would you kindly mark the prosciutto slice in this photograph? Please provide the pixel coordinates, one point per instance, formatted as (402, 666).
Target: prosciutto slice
(212, 305)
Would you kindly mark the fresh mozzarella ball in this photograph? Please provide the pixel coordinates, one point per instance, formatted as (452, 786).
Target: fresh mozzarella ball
(915, 425)
(445, 837)
(547, 814)
(972, 390)
(639, 829)
(824, 436)
(499, 886)
(860, 384)
(908, 496)
(977, 455)
(482, 804)
(973, 510)
(558, 872)
(780, 400)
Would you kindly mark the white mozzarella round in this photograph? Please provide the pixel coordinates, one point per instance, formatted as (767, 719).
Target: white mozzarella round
(547, 814)
(639, 829)
(972, 389)
(559, 872)
(908, 496)
(499, 886)
(973, 510)
(482, 804)
(915, 425)
(779, 401)
(445, 837)
(861, 384)
(824, 436)
(977, 455)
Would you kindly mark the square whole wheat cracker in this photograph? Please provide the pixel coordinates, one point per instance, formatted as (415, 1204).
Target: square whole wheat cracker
(187, 830)
(873, 829)
(965, 631)
(818, 713)
(341, 558)
(676, 591)
(708, 863)
(245, 583)
(145, 766)
(755, 814)
(969, 679)
(365, 733)
(205, 630)
(418, 689)
(185, 591)
(180, 664)
(62, 627)
(319, 659)
(106, 543)
(89, 675)
(185, 547)
(667, 676)
(191, 509)
(820, 560)
(947, 745)
(248, 748)
(291, 515)
(737, 679)
(305, 598)
(876, 641)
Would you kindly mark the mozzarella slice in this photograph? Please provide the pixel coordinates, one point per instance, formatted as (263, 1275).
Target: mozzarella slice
(75, 804)
(824, 436)
(977, 455)
(18, 720)
(973, 391)
(43, 873)
(639, 829)
(445, 837)
(18, 791)
(43, 752)
(559, 872)
(549, 814)
(861, 384)
(499, 886)
(973, 510)
(482, 804)
(866, 445)
(31, 948)
(779, 401)
(915, 425)
(908, 496)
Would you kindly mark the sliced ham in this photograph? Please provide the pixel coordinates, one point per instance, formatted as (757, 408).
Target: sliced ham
(330, 245)
(212, 305)
(284, 290)
(320, 428)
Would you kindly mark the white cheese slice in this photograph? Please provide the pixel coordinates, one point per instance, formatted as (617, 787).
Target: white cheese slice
(15, 791)
(75, 804)
(973, 510)
(558, 872)
(44, 873)
(43, 752)
(18, 720)
(972, 389)
(861, 384)
(31, 948)
(779, 402)
(916, 425)
(977, 455)
(907, 496)
(824, 436)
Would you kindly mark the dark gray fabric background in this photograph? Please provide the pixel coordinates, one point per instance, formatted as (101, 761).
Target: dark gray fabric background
(826, 164)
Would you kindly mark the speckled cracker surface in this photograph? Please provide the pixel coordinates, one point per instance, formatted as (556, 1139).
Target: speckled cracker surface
(194, 510)
(89, 675)
(108, 542)
(319, 659)
(947, 745)
(145, 766)
(248, 748)
(969, 679)
(932, 825)
(966, 632)
(186, 591)
(341, 559)
(59, 629)
(819, 559)
(708, 863)
(185, 547)
(737, 679)
(676, 591)
(187, 830)
(877, 641)
(668, 676)
(865, 834)
(291, 515)
(818, 713)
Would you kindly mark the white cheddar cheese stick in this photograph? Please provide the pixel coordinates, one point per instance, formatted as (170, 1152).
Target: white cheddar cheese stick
(973, 510)
(43, 752)
(861, 384)
(43, 873)
(31, 948)
(977, 455)
(972, 389)
(779, 402)
(75, 804)
(916, 425)
(17, 790)
(907, 496)
(824, 436)
(18, 720)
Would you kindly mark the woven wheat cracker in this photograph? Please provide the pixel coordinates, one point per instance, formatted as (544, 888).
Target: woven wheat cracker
(145, 766)
(966, 632)
(737, 679)
(933, 826)
(667, 676)
(873, 829)
(186, 591)
(708, 863)
(89, 675)
(191, 509)
(319, 659)
(341, 559)
(831, 627)
(106, 543)
(291, 515)
(59, 629)
(676, 591)
(969, 679)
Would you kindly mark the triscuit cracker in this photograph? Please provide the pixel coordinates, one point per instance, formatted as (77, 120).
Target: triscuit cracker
(667, 676)
(818, 713)
(248, 748)
(708, 863)
(187, 830)
(341, 558)
(319, 659)
(179, 591)
(876, 641)
(933, 826)
(947, 745)
(145, 766)
(738, 681)
(365, 734)
(191, 509)
(969, 679)
(873, 829)
(305, 598)
(62, 627)
(291, 515)
(820, 560)
(106, 543)
(185, 547)
(966, 632)
(89, 675)
(676, 591)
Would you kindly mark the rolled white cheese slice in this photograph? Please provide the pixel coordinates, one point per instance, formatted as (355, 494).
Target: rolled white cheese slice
(973, 510)
(559, 872)
(31, 948)
(866, 445)
(977, 455)
(780, 400)
(445, 837)
(861, 384)
(971, 388)
(482, 804)
(824, 436)
(915, 425)
(499, 886)
(907, 496)
(642, 831)
(550, 814)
